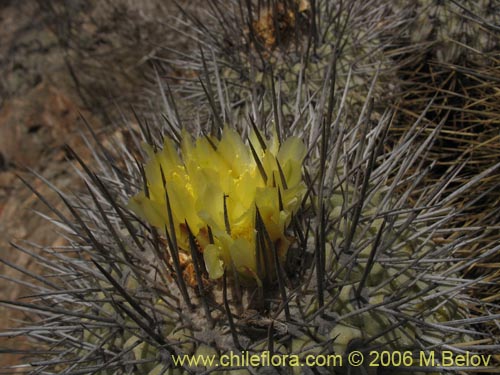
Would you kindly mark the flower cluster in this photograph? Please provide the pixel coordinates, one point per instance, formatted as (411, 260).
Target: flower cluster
(226, 191)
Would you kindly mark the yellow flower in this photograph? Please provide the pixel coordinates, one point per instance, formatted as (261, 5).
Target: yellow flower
(225, 188)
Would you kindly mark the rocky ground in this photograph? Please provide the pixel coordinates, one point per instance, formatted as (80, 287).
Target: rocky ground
(59, 62)
(38, 114)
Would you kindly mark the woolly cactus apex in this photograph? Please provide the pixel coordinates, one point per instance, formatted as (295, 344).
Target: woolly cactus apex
(226, 194)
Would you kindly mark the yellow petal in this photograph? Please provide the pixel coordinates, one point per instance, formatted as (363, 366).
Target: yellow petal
(213, 262)
(232, 149)
(243, 256)
(290, 157)
(168, 156)
(146, 209)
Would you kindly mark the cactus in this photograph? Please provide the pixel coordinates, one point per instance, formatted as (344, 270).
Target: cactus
(347, 250)
(451, 30)
(295, 42)
(452, 80)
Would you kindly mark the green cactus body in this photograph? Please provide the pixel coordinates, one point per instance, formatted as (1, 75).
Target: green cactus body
(332, 257)
(452, 29)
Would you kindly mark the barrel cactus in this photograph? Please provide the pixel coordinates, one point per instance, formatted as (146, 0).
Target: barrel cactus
(451, 30)
(452, 79)
(239, 234)
(295, 42)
